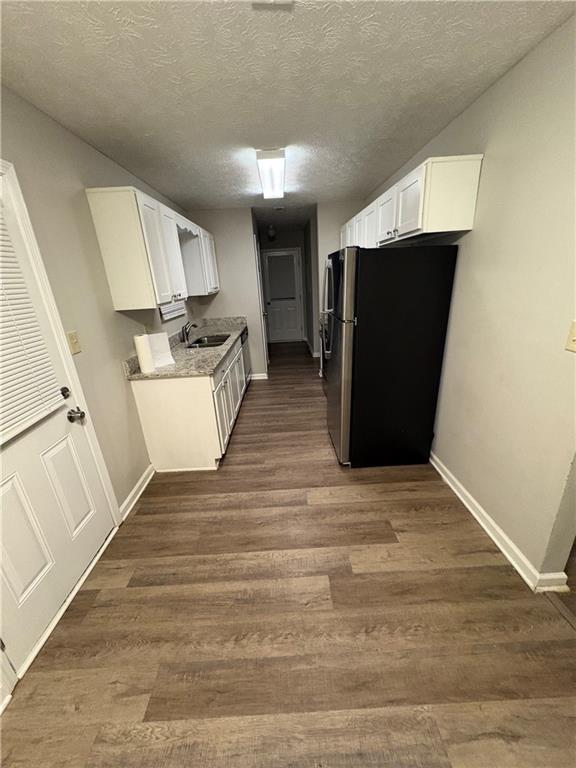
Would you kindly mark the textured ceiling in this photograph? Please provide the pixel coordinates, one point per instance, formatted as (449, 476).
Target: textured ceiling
(179, 92)
(287, 216)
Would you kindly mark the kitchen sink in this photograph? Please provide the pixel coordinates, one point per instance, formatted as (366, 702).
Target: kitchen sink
(209, 341)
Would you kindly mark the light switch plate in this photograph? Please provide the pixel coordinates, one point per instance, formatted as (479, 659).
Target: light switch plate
(74, 342)
(571, 342)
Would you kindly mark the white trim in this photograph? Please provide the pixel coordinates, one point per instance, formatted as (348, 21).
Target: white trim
(128, 504)
(187, 469)
(537, 581)
(5, 701)
(311, 349)
(10, 183)
(48, 631)
(258, 376)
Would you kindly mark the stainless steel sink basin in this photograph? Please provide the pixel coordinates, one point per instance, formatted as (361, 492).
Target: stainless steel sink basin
(209, 341)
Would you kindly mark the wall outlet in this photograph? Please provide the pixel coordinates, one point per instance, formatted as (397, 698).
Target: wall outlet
(571, 342)
(74, 342)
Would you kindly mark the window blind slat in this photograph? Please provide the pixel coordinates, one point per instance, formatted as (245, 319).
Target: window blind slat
(29, 389)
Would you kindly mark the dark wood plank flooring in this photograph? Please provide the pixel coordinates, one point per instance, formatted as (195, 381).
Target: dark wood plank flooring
(285, 612)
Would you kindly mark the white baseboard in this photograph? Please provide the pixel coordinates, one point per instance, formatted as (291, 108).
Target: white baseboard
(128, 504)
(537, 581)
(258, 376)
(187, 469)
(5, 701)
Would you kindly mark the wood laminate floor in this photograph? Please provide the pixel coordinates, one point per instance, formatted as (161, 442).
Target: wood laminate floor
(285, 612)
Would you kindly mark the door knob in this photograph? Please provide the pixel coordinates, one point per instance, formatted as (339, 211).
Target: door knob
(75, 414)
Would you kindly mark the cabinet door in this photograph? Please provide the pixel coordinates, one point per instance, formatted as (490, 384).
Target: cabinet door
(359, 230)
(213, 263)
(343, 236)
(173, 253)
(209, 262)
(370, 215)
(410, 200)
(241, 375)
(150, 217)
(350, 232)
(230, 388)
(221, 404)
(386, 213)
(235, 385)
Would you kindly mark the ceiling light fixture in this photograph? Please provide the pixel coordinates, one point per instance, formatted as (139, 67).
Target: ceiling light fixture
(271, 167)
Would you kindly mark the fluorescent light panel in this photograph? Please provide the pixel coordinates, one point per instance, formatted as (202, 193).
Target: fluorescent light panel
(271, 167)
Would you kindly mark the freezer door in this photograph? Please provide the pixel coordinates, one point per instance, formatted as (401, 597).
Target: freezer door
(339, 387)
(341, 293)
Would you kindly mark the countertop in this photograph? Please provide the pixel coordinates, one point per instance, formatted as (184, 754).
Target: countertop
(192, 362)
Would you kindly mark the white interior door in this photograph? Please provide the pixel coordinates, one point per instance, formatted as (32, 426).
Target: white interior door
(283, 285)
(55, 512)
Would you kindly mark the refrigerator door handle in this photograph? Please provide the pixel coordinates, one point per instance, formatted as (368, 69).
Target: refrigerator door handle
(327, 279)
(328, 333)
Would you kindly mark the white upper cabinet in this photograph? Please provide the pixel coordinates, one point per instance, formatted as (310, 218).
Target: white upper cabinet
(370, 226)
(199, 257)
(437, 196)
(386, 206)
(410, 198)
(142, 243)
(150, 216)
(209, 261)
(350, 232)
(358, 230)
(173, 253)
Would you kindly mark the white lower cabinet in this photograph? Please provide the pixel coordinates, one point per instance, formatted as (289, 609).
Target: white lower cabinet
(222, 408)
(187, 421)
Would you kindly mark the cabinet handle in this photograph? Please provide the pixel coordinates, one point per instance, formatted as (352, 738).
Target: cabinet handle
(395, 231)
(389, 232)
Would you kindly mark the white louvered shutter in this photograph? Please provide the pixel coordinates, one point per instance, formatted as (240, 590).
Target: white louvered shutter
(29, 389)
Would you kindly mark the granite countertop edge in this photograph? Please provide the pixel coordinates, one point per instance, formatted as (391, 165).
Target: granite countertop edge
(192, 362)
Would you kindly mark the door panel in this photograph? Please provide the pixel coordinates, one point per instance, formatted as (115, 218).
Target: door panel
(370, 226)
(222, 415)
(410, 194)
(173, 253)
(333, 384)
(68, 483)
(150, 215)
(25, 553)
(54, 512)
(283, 295)
(386, 208)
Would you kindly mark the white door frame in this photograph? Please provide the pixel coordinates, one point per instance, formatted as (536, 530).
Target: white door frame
(297, 253)
(9, 181)
(261, 302)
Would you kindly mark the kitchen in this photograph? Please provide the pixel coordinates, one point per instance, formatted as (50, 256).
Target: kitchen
(214, 569)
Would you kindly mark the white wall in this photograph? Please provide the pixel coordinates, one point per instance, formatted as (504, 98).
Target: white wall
(238, 295)
(505, 422)
(329, 219)
(54, 167)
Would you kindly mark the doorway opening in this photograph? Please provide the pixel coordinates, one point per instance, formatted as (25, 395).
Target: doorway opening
(288, 253)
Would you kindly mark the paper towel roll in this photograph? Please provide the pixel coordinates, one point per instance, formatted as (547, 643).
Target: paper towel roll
(142, 344)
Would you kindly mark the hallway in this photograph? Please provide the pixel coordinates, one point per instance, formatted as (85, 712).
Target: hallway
(286, 612)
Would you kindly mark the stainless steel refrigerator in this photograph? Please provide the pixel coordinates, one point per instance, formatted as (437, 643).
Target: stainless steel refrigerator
(383, 327)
